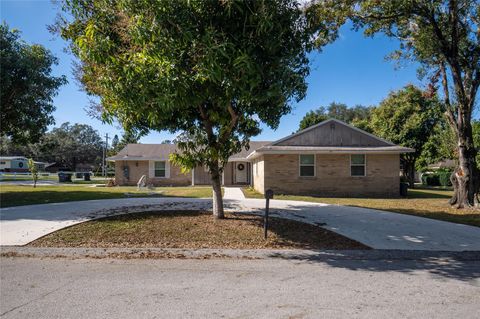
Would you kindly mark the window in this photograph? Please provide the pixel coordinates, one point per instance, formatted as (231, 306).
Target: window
(307, 165)
(159, 169)
(357, 165)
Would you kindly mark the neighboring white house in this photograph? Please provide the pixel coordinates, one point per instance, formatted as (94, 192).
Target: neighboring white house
(13, 164)
(18, 164)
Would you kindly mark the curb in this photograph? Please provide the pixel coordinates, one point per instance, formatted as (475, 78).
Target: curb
(180, 253)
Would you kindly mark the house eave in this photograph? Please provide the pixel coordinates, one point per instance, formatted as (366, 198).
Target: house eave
(339, 150)
(135, 158)
(142, 158)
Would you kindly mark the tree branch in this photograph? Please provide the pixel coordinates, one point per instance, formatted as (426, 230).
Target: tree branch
(233, 122)
(448, 107)
(208, 125)
(450, 56)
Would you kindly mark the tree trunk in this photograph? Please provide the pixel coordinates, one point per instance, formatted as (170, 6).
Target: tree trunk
(411, 174)
(409, 171)
(217, 193)
(465, 178)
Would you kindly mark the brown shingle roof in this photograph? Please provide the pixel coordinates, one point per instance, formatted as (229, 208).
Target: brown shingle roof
(162, 151)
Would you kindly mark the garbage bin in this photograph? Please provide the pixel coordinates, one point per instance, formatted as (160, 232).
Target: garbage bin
(403, 189)
(64, 177)
(86, 176)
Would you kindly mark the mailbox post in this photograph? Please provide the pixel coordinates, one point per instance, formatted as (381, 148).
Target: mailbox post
(268, 196)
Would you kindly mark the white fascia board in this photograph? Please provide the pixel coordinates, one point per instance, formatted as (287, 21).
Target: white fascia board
(266, 152)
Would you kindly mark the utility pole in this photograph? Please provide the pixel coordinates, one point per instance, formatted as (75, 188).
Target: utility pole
(104, 163)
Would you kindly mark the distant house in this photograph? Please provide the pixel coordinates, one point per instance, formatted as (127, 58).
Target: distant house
(445, 164)
(331, 158)
(56, 167)
(17, 164)
(84, 168)
(40, 166)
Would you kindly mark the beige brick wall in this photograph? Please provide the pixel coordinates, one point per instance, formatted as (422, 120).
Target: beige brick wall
(139, 168)
(281, 173)
(258, 174)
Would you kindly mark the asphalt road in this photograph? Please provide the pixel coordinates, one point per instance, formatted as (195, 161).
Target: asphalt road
(239, 288)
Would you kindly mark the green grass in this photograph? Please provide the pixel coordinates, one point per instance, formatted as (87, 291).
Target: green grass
(13, 177)
(52, 177)
(17, 195)
(424, 202)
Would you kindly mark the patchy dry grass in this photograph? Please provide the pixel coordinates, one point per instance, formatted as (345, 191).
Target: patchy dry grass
(194, 229)
(17, 195)
(430, 203)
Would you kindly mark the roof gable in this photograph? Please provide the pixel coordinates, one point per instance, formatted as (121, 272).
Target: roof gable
(332, 132)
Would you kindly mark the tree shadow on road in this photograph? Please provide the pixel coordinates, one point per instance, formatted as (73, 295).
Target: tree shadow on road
(464, 266)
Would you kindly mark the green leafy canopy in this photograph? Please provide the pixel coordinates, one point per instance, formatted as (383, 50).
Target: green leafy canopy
(210, 69)
(28, 88)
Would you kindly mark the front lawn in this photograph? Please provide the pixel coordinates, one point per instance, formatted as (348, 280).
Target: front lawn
(194, 229)
(16, 195)
(430, 203)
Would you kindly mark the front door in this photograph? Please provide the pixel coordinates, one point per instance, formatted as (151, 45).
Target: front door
(241, 176)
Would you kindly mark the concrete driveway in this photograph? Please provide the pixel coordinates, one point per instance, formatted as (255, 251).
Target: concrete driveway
(377, 229)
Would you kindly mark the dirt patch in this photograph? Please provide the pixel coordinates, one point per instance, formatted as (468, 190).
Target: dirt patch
(195, 229)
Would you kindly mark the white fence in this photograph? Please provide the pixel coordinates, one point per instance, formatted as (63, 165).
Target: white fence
(17, 176)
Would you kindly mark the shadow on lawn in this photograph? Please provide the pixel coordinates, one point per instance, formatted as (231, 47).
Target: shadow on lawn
(464, 266)
(426, 194)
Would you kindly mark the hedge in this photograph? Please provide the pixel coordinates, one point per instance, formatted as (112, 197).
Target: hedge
(439, 178)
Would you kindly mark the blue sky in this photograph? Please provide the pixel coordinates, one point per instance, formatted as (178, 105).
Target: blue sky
(352, 70)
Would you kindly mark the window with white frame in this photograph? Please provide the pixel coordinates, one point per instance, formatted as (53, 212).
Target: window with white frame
(160, 169)
(307, 165)
(357, 165)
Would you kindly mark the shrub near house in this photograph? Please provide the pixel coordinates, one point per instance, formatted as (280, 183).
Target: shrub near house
(440, 177)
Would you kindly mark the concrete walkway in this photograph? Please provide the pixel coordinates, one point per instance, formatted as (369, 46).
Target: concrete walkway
(377, 229)
(234, 193)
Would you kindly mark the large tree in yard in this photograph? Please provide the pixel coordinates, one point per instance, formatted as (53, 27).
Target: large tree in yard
(407, 117)
(443, 36)
(209, 70)
(27, 88)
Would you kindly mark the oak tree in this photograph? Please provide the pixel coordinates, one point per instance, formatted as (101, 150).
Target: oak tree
(28, 87)
(209, 70)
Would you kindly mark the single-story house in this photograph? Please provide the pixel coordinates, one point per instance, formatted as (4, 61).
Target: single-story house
(331, 158)
(445, 164)
(17, 164)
